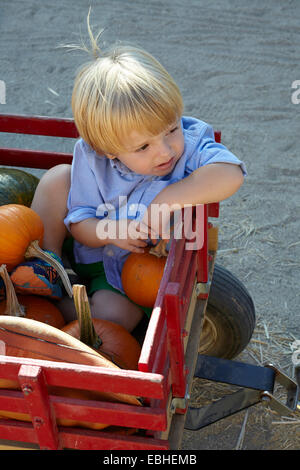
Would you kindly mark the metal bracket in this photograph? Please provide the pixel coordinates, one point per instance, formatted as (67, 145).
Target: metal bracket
(257, 385)
(202, 289)
(291, 387)
(180, 403)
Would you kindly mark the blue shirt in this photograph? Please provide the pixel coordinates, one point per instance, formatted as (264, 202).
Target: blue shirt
(97, 180)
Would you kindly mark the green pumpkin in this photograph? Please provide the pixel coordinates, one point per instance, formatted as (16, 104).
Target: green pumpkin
(17, 186)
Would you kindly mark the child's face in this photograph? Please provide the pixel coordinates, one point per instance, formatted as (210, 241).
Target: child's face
(153, 155)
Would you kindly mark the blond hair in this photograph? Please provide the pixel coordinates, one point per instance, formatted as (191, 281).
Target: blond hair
(122, 89)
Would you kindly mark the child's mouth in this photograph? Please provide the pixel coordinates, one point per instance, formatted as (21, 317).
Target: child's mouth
(166, 165)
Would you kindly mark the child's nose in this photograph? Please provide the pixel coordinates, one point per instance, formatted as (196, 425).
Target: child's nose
(165, 151)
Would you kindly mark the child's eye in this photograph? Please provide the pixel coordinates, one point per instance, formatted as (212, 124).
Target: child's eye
(173, 130)
(144, 147)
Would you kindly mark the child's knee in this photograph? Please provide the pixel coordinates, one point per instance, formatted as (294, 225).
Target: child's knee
(109, 305)
(105, 302)
(54, 184)
(59, 175)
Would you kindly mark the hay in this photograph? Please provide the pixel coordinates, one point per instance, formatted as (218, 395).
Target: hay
(270, 343)
(241, 437)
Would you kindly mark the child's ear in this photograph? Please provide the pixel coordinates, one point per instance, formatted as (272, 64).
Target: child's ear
(111, 157)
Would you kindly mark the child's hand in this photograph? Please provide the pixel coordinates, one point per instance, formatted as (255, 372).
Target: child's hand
(159, 222)
(127, 234)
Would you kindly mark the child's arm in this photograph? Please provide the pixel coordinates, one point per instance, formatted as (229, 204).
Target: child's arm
(85, 232)
(210, 183)
(95, 233)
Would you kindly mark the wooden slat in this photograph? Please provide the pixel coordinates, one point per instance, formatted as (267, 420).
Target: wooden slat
(213, 237)
(218, 136)
(17, 431)
(12, 401)
(114, 414)
(161, 357)
(190, 314)
(33, 158)
(182, 269)
(213, 209)
(174, 335)
(89, 440)
(75, 438)
(89, 377)
(93, 411)
(32, 381)
(188, 286)
(179, 250)
(202, 273)
(38, 125)
(14, 445)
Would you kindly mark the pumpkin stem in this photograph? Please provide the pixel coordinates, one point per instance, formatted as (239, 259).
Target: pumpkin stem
(159, 250)
(88, 333)
(35, 251)
(13, 307)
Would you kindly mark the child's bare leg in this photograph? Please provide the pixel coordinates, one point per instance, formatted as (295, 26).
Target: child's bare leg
(50, 202)
(67, 309)
(106, 305)
(114, 307)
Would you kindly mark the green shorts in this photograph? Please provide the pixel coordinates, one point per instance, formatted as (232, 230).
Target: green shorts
(93, 274)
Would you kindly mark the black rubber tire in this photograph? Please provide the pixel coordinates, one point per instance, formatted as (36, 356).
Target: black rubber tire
(230, 316)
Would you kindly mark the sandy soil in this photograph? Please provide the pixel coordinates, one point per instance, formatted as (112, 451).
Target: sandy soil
(235, 62)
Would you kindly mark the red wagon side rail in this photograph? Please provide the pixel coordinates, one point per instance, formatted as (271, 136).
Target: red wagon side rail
(36, 125)
(35, 376)
(166, 362)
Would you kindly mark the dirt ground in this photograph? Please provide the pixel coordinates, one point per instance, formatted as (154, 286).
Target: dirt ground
(235, 62)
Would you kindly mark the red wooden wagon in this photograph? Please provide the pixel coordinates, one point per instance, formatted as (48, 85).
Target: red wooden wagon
(178, 328)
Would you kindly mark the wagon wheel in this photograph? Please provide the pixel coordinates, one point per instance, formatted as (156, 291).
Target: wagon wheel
(230, 316)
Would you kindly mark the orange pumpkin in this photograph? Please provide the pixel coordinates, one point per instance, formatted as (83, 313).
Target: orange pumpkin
(142, 273)
(19, 226)
(110, 339)
(41, 309)
(21, 234)
(29, 306)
